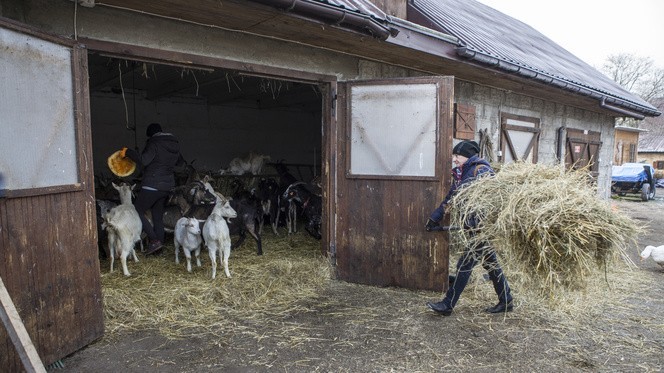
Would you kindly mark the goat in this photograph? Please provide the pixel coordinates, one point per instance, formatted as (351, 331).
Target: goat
(216, 234)
(285, 205)
(124, 228)
(311, 205)
(252, 164)
(268, 194)
(188, 236)
(248, 208)
(191, 200)
(103, 207)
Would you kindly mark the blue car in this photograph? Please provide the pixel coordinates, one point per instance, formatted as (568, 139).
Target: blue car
(636, 178)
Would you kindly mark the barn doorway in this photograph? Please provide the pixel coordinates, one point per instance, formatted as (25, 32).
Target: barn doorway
(218, 114)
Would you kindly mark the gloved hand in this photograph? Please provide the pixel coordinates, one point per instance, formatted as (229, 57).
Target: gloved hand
(131, 154)
(123, 152)
(431, 225)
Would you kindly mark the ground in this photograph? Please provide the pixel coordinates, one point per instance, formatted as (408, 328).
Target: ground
(354, 328)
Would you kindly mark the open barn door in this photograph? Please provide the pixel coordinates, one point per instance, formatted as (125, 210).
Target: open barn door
(48, 255)
(394, 139)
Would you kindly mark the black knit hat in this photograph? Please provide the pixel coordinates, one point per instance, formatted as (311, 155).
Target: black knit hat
(152, 129)
(466, 148)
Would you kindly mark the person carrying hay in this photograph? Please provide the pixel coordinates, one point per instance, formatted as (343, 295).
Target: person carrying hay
(468, 167)
(158, 160)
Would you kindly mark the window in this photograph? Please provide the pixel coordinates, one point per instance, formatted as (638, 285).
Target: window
(38, 149)
(519, 138)
(390, 139)
(632, 153)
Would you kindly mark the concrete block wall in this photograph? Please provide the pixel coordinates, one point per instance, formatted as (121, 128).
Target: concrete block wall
(490, 102)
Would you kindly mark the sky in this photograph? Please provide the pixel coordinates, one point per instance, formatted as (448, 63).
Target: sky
(594, 29)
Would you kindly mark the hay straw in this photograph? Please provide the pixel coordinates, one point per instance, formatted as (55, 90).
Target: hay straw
(548, 222)
(162, 295)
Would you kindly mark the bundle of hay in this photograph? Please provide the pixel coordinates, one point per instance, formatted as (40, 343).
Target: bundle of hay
(548, 221)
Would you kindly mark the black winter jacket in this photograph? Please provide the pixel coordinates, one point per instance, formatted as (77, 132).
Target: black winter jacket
(158, 161)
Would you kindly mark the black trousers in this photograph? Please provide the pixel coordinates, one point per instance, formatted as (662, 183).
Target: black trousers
(465, 267)
(155, 201)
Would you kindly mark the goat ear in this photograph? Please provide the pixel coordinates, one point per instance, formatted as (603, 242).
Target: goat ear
(115, 185)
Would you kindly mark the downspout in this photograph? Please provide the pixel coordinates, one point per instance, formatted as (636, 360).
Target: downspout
(561, 143)
(333, 15)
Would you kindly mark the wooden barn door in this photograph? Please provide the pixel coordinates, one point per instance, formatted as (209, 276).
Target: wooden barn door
(582, 150)
(48, 252)
(393, 162)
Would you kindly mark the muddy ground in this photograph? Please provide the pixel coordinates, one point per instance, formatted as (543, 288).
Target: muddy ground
(353, 328)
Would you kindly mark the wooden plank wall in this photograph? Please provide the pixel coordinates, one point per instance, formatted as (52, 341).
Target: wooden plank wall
(49, 262)
(49, 258)
(379, 234)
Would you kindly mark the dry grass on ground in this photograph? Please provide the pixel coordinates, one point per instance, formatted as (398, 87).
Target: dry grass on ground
(163, 295)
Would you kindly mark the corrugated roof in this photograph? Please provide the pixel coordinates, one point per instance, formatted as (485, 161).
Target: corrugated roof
(490, 37)
(494, 34)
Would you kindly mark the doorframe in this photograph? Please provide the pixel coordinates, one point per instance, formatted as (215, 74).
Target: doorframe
(327, 83)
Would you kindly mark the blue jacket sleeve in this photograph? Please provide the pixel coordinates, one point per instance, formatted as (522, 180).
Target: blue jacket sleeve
(438, 214)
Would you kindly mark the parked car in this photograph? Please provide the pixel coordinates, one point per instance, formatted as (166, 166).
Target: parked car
(636, 178)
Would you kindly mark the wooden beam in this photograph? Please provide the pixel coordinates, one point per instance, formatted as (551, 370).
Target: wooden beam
(19, 336)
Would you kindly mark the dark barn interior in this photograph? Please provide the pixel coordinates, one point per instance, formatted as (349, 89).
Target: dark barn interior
(216, 114)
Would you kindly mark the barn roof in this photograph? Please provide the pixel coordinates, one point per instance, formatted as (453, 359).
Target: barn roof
(495, 39)
(463, 38)
(488, 37)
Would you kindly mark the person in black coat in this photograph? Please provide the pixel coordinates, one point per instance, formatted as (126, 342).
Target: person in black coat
(468, 167)
(158, 161)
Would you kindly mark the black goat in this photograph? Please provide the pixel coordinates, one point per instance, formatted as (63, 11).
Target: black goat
(248, 212)
(268, 194)
(286, 208)
(311, 205)
(103, 206)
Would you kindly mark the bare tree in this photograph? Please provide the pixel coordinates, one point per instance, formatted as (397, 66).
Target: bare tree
(639, 75)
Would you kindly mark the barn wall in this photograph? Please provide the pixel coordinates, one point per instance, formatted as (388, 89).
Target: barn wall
(491, 102)
(209, 135)
(654, 159)
(623, 141)
(132, 28)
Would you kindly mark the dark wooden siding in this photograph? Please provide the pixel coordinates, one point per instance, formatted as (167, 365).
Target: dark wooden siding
(380, 236)
(49, 258)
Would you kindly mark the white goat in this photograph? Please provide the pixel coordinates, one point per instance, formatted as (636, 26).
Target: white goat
(124, 227)
(188, 236)
(216, 235)
(253, 164)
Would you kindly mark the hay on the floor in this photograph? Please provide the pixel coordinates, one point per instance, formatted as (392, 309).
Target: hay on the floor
(163, 295)
(548, 222)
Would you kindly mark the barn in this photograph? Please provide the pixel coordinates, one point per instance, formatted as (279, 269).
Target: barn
(368, 96)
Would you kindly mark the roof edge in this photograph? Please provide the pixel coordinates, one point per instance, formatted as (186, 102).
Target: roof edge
(335, 15)
(606, 100)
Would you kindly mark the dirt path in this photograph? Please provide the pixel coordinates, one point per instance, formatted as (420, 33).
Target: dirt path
(352, 328)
